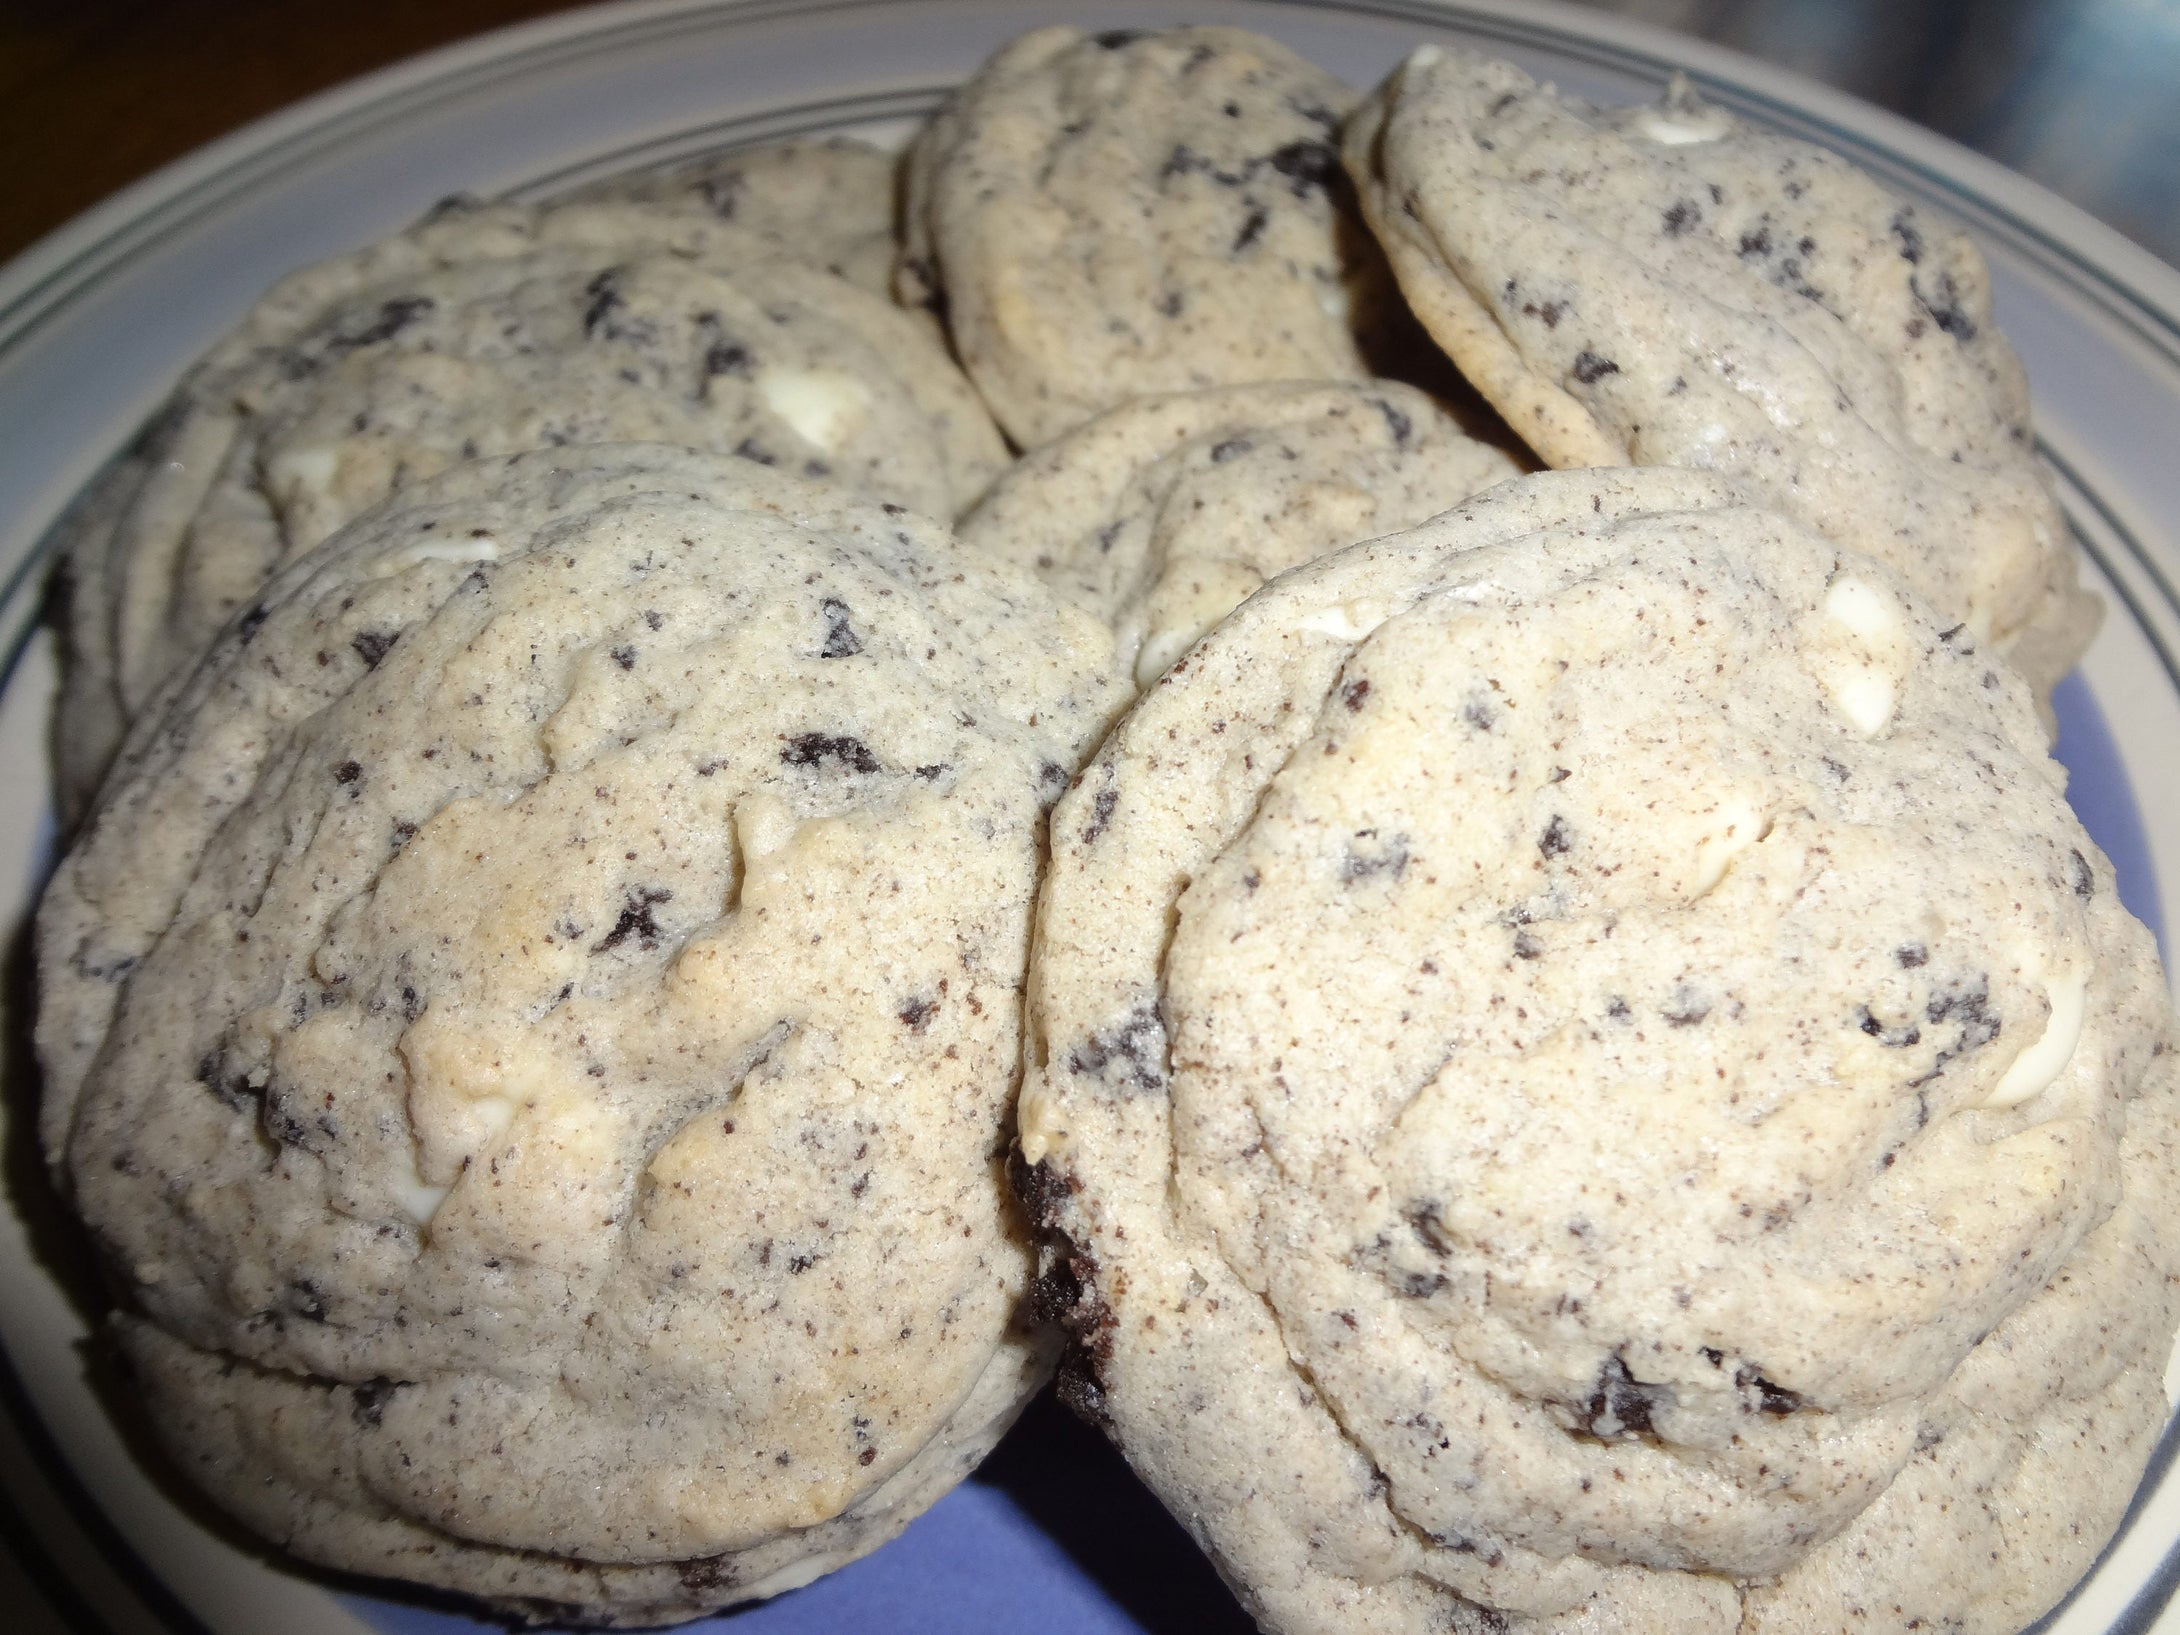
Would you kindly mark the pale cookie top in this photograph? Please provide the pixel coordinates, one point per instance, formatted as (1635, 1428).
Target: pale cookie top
(1108, 215)
(1668, 285)
(827, 201)
(298, 423)
(1164, 514)
(560, 954)
(1578, 1049)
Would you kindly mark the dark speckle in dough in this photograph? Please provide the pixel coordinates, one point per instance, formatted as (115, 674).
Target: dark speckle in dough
(813, 749)
(1137, 1047)
(393, 317)
(707, 1575)
(1307, 165)
(1589, 368)
(1686, 1008)
(1942, 300)
(1908, 236)
(373, 645)
(1620, 1405)
(1101, 813)
(841, 641)
(307, 1300)
(726, 358)
(1770, 1398)
(635, 921)
(368, 1400)
(607, 317)
(1367, 854)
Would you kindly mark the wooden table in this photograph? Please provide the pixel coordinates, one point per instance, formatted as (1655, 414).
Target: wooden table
(2079, 94)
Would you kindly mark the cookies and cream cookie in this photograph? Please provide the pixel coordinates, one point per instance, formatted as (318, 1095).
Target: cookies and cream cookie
(826, 201)
(1667, 284)
(532, 1027)
(1108, 215)
(296, 425)
(1165, 513)
(1586, 1078)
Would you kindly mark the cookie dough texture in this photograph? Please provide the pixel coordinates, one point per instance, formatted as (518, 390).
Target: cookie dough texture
(1108, 215)
(490, 330)
(1667, 285)
(1587, 1079)
(531, 1030)
(826, 201)
(1164, 514)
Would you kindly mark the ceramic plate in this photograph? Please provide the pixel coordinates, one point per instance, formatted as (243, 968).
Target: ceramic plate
(97, 321)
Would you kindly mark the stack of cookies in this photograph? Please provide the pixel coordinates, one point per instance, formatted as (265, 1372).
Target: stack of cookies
(1364, 772)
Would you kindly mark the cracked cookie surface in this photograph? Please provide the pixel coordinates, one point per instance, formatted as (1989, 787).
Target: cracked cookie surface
(1585, 1077)
(531, 1030)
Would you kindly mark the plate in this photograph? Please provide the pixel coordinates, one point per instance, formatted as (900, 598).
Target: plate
(97, 321)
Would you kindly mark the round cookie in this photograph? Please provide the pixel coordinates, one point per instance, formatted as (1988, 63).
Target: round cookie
(1163, 514)
(826, 201)
(1109, 215)
(532, 1027)
(297, 424)
(1585, 1078)
(1667, 285)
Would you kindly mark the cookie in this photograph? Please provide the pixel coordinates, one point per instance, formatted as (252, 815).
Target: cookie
(1109, 215)
(293, 427)
(826, 201)
(532, 1025)
(1586, 1078)
(1165, 513)
(1667, 284)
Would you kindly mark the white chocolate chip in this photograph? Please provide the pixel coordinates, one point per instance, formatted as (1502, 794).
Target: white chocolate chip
(1865, 696)
(822, 405)
(1681, 127)
(418, 1197)
(2036, 1067)
(1347, 621)
(294, 470)
(1869, 612)
(1736, 826)
(1037, 1126)
(476, 548)
(1160, 648)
